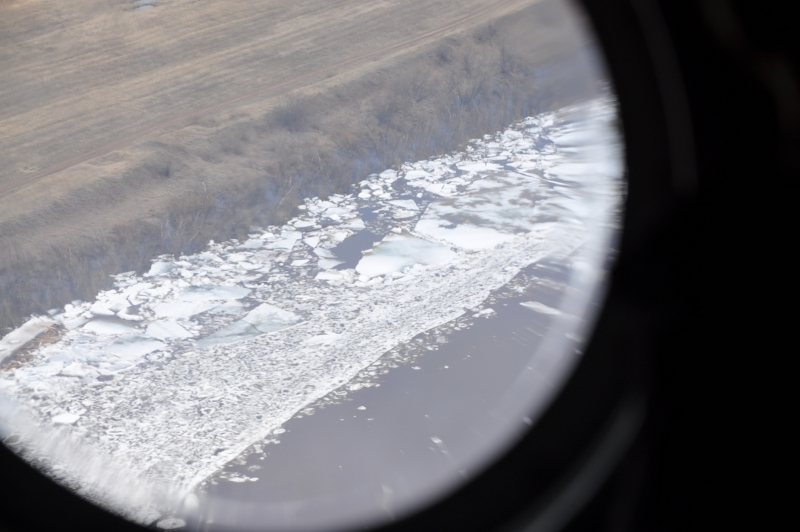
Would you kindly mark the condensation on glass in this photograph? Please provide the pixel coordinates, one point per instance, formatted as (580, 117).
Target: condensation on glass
(382, 339)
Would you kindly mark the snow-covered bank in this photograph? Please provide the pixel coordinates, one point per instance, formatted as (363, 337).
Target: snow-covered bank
(170, 375)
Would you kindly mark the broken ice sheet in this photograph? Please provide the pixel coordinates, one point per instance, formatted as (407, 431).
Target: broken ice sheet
(133, 346)
(27, 332)
(263, 319)
(166, 329)
(235, 332)
(212, 293)
(287, 241)
(109, 326)
(160, 268)
(180, 309)
(492, 211)
(229, 307)
(407, 204)
(396, 252)
(267, 318)
(327, 264)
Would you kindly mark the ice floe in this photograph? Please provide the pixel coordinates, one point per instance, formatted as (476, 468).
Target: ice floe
(24, 334)
(165, 329)
(396, 252)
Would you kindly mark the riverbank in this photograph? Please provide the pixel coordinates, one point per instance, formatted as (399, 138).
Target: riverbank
(220, 175)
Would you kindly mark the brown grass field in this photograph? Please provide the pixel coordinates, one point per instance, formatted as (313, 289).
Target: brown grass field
(125, 134)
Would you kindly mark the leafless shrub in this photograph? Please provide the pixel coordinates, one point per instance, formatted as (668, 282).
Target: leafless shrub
(162, 166)
(293, 115)
(443, 53)
(468, 90)
(387, 109)
(468, 60)
(233, 143)
(508, 64)
(485, 33)
(421, 86)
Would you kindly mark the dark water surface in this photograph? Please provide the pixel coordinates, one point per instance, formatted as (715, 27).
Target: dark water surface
(351, 249)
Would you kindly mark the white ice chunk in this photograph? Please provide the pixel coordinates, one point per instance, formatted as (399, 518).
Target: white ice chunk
(407, 204)
(263, 319)
(312, 241)
(433, 188)
(229, 307)
(74, 323)
(252, 243)
(287, 241)
(166, 329)
(160, 268)
(239, 257)
(79, 369)
(329, 276)
(479, 166)
(327, 264)
(212, 293)
(128, 314)
(396, 252)
(324, 253)
(465, 236)
(404, 215)
(235, 332)
(70, 354)
(181, 309)
(416, 174)
(492, 211)
(267, 318)
(65, 419)
(101, 326)
(23, 334)
(117, 301)
(339, 211)
(356, 224)
(133, 346)
(100, 309)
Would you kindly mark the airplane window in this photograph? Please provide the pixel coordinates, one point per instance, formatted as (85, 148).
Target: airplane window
(294, 266)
